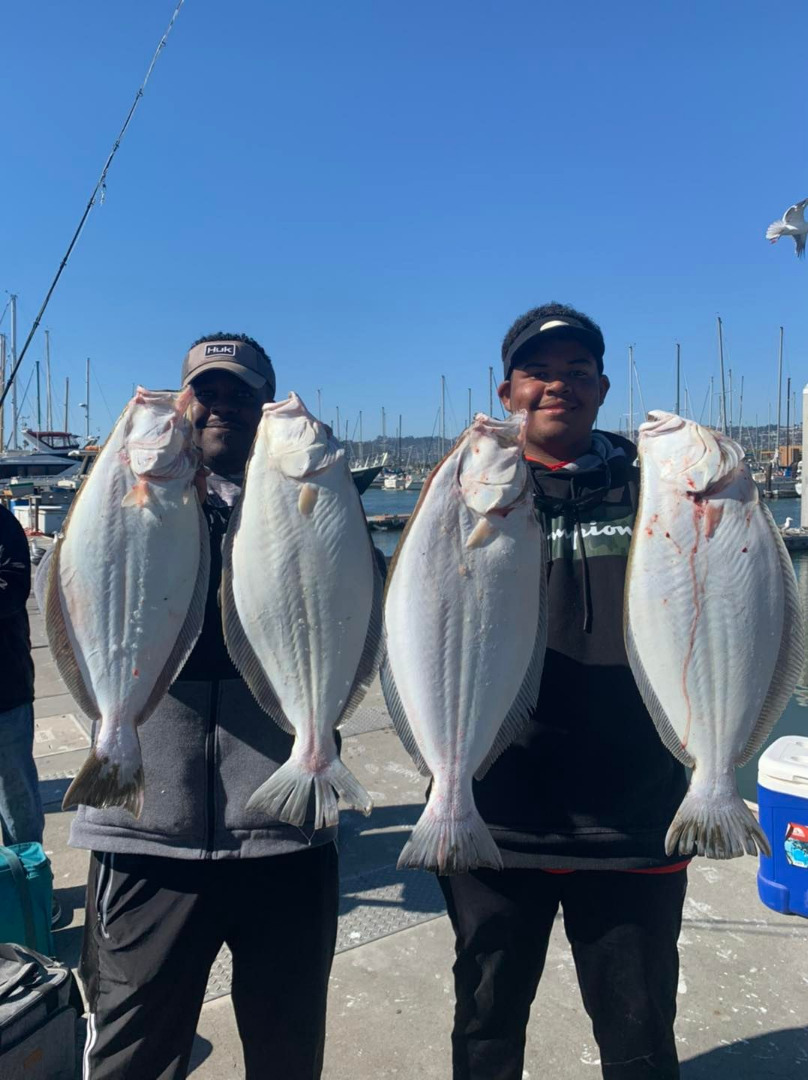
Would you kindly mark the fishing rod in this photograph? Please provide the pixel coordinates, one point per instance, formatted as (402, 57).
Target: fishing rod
(99, 187)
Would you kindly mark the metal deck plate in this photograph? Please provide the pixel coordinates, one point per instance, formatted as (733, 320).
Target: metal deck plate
(372, 905)
(367, 718)
(58, 735)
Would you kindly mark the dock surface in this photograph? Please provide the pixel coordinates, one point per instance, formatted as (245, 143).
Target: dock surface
(744, 976)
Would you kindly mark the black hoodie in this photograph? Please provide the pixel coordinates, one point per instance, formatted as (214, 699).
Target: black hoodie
(17, 684)
(588, 784)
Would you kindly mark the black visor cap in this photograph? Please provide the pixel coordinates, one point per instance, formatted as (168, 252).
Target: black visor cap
(553, 328)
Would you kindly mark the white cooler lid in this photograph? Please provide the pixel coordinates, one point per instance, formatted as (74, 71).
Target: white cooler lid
(784, 766)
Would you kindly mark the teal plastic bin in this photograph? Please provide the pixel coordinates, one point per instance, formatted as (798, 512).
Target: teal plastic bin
(26, 897)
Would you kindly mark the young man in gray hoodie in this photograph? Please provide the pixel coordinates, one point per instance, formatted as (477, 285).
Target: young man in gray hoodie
(197, 870)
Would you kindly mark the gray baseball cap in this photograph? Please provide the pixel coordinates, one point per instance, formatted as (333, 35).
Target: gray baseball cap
(238, 357)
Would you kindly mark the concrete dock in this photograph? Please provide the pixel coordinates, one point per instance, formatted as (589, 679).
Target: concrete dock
(743, 991)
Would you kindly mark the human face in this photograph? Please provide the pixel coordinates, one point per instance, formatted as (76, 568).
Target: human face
(561, 390)
(225, 415)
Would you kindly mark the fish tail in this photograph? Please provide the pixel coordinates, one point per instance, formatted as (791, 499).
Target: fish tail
(719, 828)
(102, 783)
(450, 845)
(286, 794)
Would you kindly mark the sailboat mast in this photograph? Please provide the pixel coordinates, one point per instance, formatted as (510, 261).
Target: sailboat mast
(779, 394)
(2, 388)
(723, 413)
(13, 302)
(631, 392)
(740, 411)
(442, 416)
(87, 406)
(730, 402)
(788, 421)
(399, 440)
(678, 371)
(361, 448)
(38, 400)
(48, 401)
(67, 400)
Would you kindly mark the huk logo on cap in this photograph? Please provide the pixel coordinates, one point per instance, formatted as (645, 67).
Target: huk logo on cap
(220, 350)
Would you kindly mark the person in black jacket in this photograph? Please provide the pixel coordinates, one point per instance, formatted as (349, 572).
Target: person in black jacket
(21, 817)
(197, 870)
(580, 803)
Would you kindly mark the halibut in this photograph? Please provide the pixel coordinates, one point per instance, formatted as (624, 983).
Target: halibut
(126, 589)
(466, 628)
(713, 624)
(301, 606)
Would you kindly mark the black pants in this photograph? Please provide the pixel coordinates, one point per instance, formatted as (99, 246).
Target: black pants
(623, 930)
(154, 926)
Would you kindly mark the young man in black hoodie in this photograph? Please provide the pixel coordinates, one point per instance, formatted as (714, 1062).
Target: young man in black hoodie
(580, 803)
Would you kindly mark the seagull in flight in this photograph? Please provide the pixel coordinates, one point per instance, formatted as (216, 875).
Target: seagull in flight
(793, 224)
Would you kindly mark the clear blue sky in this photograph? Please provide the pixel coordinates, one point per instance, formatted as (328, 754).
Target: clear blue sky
(375, 190)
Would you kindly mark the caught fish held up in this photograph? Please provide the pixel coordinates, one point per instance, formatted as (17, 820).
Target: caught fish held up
(466, 628)
(714, 629)
(126, 589)
(301, 600)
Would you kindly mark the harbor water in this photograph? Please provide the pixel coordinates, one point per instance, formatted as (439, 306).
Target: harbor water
(794, 720)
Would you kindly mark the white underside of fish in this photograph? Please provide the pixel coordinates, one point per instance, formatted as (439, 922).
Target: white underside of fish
(125, 604)
(465, 622)
(714, 635)
(302, 615)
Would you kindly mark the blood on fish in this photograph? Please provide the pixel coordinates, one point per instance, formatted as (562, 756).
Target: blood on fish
(135, 672)
(712, 517)
(744, 550)
(649, 531)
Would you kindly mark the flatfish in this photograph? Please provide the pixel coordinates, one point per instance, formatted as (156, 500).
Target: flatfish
(466, 629)
(126, 591)
(301, 606)
(713, 625)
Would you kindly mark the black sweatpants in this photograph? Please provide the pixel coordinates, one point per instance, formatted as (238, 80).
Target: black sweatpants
(154, 926)
(623, 930)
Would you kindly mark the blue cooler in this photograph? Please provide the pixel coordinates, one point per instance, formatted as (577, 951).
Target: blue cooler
(783, 811)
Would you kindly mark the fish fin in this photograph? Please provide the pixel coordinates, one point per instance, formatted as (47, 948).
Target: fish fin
(791, 656)
(191, 628)
(61, 646)
(102, 784)
(446, 845)
(307, 498)
(373, 650)
(664, 727)
(286, 794)
(524, 704)
(719, 828)
(238, 645)
(399, 718)
(138, 495)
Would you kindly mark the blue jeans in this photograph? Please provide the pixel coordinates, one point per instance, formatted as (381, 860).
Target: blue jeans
(21, 817)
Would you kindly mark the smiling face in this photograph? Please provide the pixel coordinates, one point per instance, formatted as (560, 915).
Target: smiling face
(225, 416)
(561, 390)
